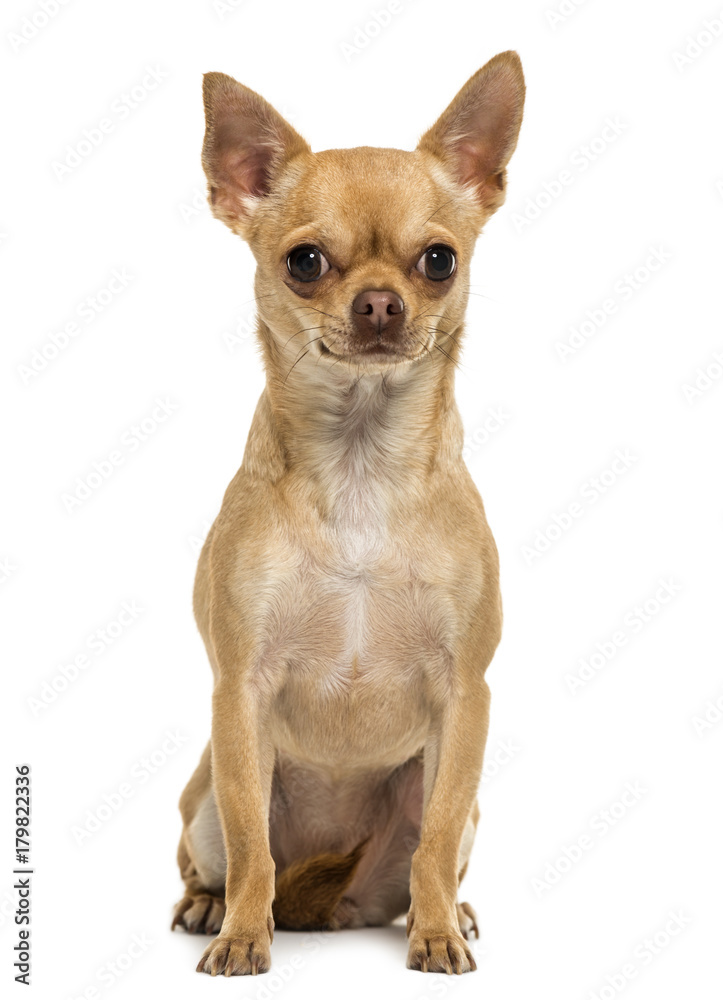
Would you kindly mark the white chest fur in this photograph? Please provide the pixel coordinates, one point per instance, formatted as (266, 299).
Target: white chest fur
(352, 622)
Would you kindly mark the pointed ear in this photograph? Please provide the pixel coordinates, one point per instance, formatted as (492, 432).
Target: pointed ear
(246, 144)
(477, 134)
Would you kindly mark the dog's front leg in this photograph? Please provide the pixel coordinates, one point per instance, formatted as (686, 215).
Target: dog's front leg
(243, 763)
(452, 768)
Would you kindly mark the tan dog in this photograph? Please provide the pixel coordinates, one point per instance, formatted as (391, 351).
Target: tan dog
(348, 593)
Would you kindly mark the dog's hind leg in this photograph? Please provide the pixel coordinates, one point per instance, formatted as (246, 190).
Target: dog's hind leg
(466, 915)
(201, 857)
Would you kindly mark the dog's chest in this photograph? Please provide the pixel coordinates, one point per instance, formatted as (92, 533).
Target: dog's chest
(364, 608)
(358, 616)
(358, 619)
(364, 634)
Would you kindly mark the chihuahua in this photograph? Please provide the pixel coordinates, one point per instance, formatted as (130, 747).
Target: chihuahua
(347, 593)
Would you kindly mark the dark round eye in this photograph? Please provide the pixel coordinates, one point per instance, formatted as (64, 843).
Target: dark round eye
(438, 262)
(307, 263)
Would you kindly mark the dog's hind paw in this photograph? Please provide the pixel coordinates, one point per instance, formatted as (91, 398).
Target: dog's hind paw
(467, 920)
(201, 914)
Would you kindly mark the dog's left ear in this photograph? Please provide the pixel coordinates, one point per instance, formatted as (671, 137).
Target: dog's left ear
(477, 134)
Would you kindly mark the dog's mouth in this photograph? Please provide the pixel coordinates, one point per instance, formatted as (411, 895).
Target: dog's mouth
(368, 350)
(374, 351)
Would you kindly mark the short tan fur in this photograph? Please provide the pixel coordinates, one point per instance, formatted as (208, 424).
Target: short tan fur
(347, 593)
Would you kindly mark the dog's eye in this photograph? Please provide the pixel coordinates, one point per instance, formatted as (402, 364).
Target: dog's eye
(307, 263)
(438, 262)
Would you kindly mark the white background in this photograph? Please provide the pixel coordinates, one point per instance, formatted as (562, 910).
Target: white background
(179, 331)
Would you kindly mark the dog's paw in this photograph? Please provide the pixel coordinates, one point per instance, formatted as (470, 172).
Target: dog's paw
(467, 920)
(201, 914)
(245, 955)
(439, 951)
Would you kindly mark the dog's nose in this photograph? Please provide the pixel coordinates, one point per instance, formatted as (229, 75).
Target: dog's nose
(377, 310)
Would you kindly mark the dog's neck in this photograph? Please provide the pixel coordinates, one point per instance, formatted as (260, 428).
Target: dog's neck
(357, 439)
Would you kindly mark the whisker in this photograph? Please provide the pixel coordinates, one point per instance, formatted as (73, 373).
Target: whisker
(308, 329)
(442, 351)
(432, 330)
(294, 366)
(425, 315)
(331, 315)
(443, 205)
(298, 359)
(256, 298)
(438, 329)
(329, 347)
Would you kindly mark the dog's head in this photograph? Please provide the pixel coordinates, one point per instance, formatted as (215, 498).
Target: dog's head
(363, 254)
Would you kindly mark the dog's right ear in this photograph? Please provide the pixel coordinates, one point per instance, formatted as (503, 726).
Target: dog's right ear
(247, 142)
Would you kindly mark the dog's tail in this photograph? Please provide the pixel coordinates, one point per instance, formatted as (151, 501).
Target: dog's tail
(309, 891)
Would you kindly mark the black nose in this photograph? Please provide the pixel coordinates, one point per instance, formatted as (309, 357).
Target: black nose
(377, 310)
